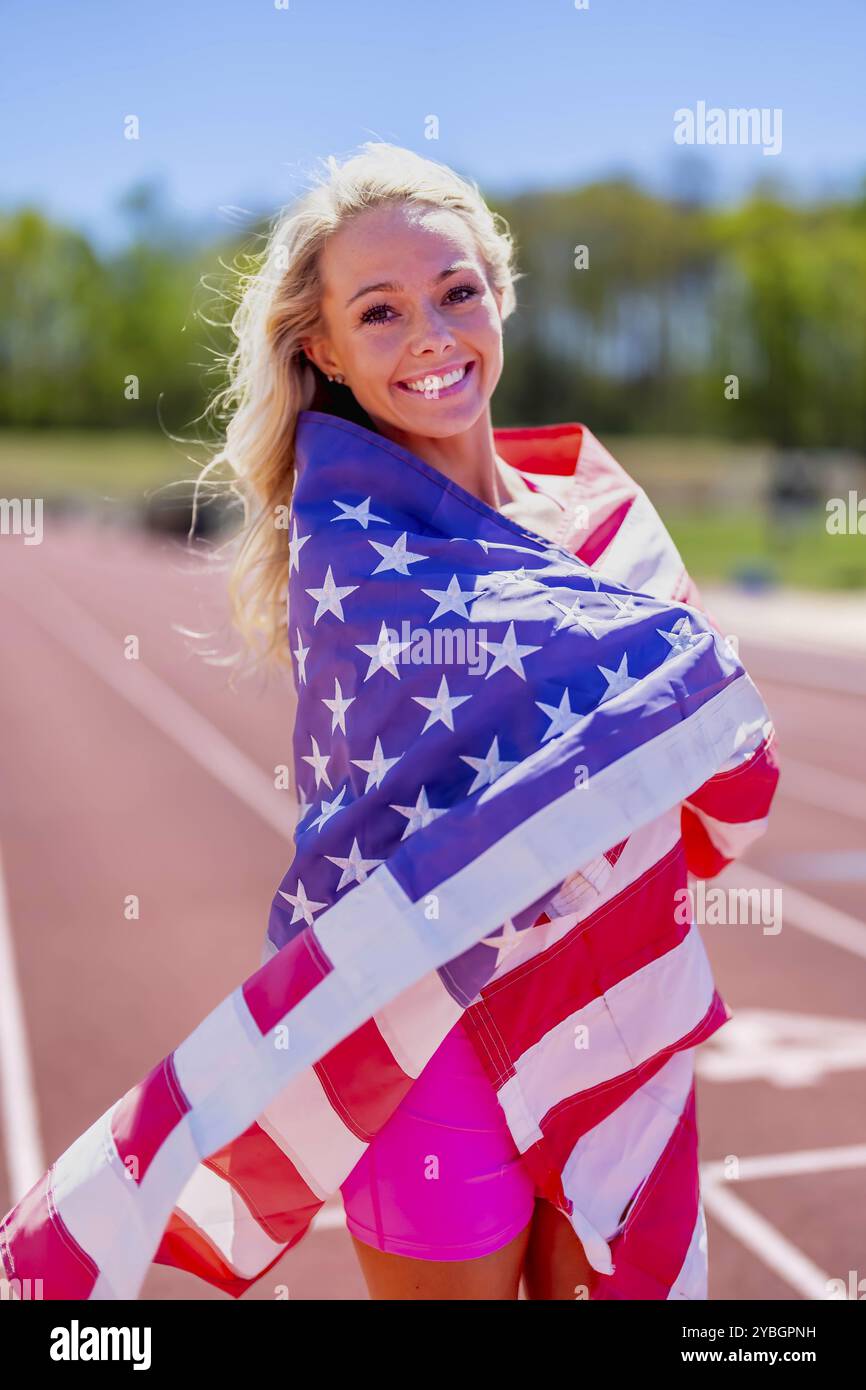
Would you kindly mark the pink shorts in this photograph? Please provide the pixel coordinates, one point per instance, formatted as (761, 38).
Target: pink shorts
(443, 1179)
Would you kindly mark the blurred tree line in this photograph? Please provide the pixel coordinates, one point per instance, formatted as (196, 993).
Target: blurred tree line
(673, 299)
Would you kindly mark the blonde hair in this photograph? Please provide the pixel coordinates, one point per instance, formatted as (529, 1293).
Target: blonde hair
(270, 379)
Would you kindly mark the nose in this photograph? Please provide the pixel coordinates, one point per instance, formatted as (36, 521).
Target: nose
(431, 335)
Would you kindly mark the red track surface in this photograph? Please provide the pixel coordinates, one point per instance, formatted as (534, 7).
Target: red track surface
(99, 802)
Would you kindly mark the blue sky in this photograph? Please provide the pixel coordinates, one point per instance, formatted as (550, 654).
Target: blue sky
(237, 99)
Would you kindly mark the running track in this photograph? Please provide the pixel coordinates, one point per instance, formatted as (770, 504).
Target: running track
(152, 778)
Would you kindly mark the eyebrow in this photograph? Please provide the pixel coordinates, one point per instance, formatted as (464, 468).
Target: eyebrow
(394, 288)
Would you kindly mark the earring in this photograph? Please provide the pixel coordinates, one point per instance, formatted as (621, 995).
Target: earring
(339, 378)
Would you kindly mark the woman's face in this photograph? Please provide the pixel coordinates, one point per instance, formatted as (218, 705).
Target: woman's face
(406, 299)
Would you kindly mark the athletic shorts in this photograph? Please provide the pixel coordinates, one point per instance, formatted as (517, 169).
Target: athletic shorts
(443, 1179)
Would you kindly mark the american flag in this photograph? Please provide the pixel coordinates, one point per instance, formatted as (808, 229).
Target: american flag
(512, 747)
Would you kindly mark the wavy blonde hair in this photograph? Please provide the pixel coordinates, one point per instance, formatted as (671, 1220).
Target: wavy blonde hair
(270, 379)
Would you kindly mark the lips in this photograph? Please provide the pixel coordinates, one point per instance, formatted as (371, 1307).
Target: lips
(431, 385)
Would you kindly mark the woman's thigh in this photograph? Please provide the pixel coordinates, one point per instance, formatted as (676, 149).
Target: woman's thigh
(495, 1276)
(555, 1265)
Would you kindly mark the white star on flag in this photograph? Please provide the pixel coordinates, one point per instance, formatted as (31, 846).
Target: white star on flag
(377, 766)
(441, 706)
(419, 815)
(506, 942)
(302, 906)
(338, 707)
(329, 597)
(507, 653)
(396, 556)
(354, 866)
(301, 657)
(487, 769)
(329, 808)
(618, 680)
(450, 600)
(359, 511)
(296, 545)
(383, 653)
(318, 762)
(680, 636)
(562, 716)
(573, 617)
(625, 606)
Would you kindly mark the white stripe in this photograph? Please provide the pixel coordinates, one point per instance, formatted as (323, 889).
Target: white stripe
(613, 1159)
(693, 1279)
(20, 1122)
(634, 1020)
(214, 1208)
(304, 1124)
(405, 1022)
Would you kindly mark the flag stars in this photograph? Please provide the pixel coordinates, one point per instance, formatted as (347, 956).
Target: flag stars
(382, 653)
(318, 762)
(618, 680)
(503, 944)
(450, 600)
(419, 815)
(338, 707)
(329, 597)
(355, 868)
(680, 636)
(573, 616)
(507, 654)
(441, 706)
(302, 906)
(395, 557)
(296, 545)
(561, 716)
(375, 767)
(301, 658)
(359, 512)
(488, 768)
(329, 808)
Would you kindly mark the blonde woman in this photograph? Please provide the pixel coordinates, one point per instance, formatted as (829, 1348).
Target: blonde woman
(502, 1089)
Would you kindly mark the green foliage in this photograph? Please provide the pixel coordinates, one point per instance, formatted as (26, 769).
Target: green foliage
(675, 299)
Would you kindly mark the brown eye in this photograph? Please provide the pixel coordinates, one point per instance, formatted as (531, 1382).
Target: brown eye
(375, 314)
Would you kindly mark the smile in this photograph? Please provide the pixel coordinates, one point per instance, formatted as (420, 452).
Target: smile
(432, 386)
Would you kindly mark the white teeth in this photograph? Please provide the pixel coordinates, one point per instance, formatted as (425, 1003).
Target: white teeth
(437, 383)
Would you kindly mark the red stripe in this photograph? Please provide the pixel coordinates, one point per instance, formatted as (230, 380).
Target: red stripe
(269, 1183)
(286, 979)
(142, 1120)
(744, 793)
(36, 1243)
(624, 934)
(363, 1080)
(184, 1247)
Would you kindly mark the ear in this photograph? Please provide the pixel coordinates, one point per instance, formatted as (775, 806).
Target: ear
(317, 352)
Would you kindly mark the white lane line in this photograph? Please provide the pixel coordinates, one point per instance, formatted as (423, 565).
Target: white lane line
(153, 698)
(783, 1165)
(19, 1122)
(817, 786)
(764, 1241)
(801, 910)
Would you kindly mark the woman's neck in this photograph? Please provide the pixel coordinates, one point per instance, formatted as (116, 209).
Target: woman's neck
(468, 458)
